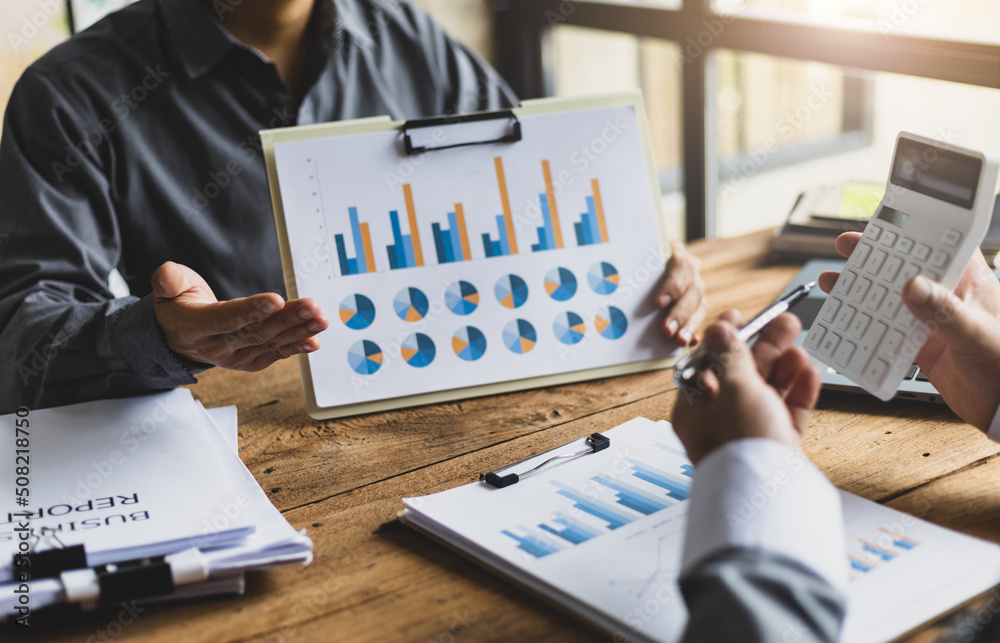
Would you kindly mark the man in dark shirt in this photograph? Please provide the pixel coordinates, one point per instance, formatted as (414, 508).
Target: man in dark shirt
(132, 150)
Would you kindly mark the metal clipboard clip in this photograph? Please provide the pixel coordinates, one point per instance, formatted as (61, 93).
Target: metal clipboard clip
(595, 442)
(512, 137)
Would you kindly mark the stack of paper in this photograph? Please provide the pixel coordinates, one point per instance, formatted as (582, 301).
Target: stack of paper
(155, 479)
(602, 535)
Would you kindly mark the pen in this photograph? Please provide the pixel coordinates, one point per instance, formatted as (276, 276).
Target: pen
(688, 369)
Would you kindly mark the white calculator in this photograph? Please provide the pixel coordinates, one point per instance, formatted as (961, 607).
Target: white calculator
(935, 213)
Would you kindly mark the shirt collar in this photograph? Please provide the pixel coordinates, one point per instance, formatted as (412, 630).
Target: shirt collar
(201, 41)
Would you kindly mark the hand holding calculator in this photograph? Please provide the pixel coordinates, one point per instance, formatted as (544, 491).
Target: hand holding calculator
(936, 210)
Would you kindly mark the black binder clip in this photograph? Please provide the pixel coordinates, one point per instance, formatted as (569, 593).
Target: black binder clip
(512, 137)
(52, 562)
(595, 442)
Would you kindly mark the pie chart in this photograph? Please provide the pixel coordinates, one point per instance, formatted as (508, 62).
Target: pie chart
(511, 291)
(357, 312)
(410, 304)
(519, 336)
(611, 322)
(569, 328)
(418, 350)
(603, 278)
(469, 343)
(461, 298)
(560, 284)
(365, 357)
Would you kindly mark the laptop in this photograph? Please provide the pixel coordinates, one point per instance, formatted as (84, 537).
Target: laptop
(915, 385)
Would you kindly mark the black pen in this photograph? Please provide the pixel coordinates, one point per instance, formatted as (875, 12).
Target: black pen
(689, 368)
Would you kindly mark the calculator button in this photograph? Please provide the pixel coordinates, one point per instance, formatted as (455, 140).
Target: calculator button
(845, 282)
(875, 297)
(860, 289)
(904, 318)
(905, 245)
(891, 305)
(933, 276)
(814, 337)
(860, 325)
(829, 309)
(860, 254)
(909, 270)
(872, 232)
(867, 346)
(922, 252)
(893, 342)
(891, 268)
(845, 317)
(889, 238)
(875, 373)
(844, 353)
(939, 259)
(829, 345)
(875, 261)
(951, 238)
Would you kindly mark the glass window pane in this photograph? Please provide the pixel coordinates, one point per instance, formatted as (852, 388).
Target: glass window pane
(761, 188)
(972, 20)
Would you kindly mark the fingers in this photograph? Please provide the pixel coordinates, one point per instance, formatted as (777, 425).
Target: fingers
(729, 356)
(802, 397)
(285, 340)
(774, 341)
(236, 314)
(683, 295)
(945, 313)
(171, 280)
(827, 280)
(254, 360)
(847, 242)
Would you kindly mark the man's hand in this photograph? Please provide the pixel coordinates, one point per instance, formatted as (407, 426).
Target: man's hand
(246, 334)
(764, 392)
(961, 356)
(682, 295)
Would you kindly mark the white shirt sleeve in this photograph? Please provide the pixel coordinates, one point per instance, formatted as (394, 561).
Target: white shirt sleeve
(994, 431)
(758, 493)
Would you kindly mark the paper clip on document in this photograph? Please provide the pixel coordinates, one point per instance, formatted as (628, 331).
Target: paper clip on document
(595, 442)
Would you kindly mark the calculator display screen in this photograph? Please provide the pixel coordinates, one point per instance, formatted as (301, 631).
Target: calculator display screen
(892, 215)
(937, 173)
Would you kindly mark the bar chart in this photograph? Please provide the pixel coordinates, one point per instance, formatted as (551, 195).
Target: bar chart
(879, 549)
(608, 501)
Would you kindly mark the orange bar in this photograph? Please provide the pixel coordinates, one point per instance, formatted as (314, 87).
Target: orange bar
(366, 238)
(602, 226)
(505, 200)
(463, 234)
(411, 214)
(553, 212)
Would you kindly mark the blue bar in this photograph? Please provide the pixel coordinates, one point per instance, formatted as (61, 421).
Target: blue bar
(632, 497)
(449, 250)
(397, 238)
(361, 260)
(573, 531)
(595, 229)
(345, 269)
(579, 234)
(884, 555)
(497, 248)
(535, 247)
(676, 452)
(859, 566)
(532, 544)
(456, 241)
(438, 242)
(487, 245)
(676, 486)
(550, 234)
(585, 227)
(408, 251)
(393, 265)
(596, 508)
(902, 544)
(688, 470)
(352, 265)
(504, 243)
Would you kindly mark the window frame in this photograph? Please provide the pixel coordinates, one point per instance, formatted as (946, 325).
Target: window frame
(525, 57)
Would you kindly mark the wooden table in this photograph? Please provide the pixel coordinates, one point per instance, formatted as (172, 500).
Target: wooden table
(375, 580)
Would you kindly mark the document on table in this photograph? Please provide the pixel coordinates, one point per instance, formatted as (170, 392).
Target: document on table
(602, 535)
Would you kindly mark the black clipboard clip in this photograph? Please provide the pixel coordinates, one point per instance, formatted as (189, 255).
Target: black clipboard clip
(595, 442)
(512, 137)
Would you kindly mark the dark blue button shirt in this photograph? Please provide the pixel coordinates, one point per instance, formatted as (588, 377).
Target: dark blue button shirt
(136, 142)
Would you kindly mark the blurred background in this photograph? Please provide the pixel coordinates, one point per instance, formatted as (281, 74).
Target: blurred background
(748, 94)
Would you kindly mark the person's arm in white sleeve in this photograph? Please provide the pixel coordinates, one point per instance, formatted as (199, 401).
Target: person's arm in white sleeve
(764, 544)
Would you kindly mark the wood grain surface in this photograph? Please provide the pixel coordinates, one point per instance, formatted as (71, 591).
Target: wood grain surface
(374, 580)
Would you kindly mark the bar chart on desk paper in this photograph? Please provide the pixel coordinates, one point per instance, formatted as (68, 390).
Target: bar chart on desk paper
(518, 260)
(607, 501)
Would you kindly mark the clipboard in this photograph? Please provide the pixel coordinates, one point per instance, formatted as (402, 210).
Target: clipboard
(472, 254)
